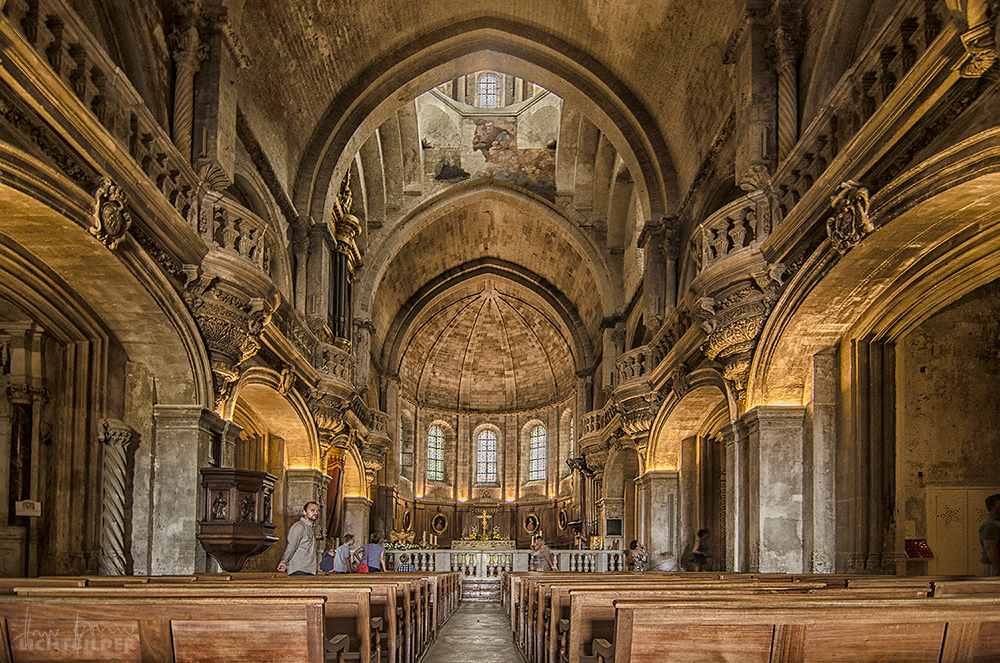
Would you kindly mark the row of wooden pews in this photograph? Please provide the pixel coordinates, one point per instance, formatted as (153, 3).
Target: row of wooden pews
(370, 618)
(583, 618)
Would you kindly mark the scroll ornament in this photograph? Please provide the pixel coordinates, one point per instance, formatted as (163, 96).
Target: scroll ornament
(111, 218)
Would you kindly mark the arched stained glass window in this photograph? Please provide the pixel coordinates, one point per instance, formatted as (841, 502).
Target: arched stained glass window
(435, 454)
(486, 457)
(489, 91)
(536, 454)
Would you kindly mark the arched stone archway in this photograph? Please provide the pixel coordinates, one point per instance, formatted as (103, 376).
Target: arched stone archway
(454, 50)
(619, 500)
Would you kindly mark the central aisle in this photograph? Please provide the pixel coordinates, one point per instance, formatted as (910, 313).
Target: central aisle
(476, 633)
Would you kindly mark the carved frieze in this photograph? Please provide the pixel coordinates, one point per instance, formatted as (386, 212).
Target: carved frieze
(850, 224)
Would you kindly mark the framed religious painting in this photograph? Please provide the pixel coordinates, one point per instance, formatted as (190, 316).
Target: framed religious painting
(531, 523)
(439, 523)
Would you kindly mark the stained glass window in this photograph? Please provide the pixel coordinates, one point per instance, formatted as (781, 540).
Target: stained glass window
(435, 454)
(536, 454)
(489, 91)
(486, 465)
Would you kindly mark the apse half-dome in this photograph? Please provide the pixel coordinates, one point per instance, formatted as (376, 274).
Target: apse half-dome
(487, 345)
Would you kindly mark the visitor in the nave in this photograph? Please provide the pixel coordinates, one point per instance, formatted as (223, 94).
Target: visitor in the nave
(989, 534)
(300, 550)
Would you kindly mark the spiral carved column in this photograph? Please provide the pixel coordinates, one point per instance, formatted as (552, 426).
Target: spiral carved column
(188, 54)
(115, 438)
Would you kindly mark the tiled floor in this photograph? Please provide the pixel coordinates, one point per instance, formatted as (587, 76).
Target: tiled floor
(476, 633)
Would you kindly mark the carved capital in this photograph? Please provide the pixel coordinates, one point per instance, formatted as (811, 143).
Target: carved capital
(111, 218)
(187, 48)
(850, 224)
(113, 432)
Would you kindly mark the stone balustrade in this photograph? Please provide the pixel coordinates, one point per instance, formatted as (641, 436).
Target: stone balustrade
(226, 224)
(632, 367)
(379, 422)
(858, 95)
(741, 225)
(488, 565)
(53, 28)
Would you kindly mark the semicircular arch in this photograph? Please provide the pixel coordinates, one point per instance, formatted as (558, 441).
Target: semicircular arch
(682, 417)
(937, 239)
(283, 415)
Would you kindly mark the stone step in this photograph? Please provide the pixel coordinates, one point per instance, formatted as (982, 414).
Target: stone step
(483, 592)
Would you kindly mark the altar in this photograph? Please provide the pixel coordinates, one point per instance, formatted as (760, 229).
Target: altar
(487, 545)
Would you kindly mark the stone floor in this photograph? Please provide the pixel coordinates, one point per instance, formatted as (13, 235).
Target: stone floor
(476, 633)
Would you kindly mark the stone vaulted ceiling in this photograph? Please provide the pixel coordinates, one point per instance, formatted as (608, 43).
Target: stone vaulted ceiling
(487, 346)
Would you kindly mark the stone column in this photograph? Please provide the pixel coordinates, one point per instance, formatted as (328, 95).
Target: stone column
(654, 276)
(688, 516)
(735, 438)
(363, 331)
(356, 512)
(755, 93)
(775, 495)
(614, 341)
(215, 100)
(302, 486)
(115, 438)
(659, 491)
(184, 436)
(820, 466)
(788, 97)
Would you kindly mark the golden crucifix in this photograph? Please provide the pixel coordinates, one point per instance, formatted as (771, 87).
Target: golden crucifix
(483, 517)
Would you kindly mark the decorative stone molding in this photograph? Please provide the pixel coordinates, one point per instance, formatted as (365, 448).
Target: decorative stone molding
(111, 218)
(678, 379)
(115, 438)
(980, 51)
(22, 394)
(851, 223)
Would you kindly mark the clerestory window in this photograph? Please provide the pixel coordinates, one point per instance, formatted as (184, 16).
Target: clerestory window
(486, 457)
(435, 454)
(536, 454)
(489, 91)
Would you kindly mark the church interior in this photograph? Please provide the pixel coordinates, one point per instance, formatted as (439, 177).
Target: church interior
(573, 270)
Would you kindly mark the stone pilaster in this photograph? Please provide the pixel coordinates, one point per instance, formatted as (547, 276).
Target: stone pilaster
(185, 436)
(659, 496)
(737, 476)
(776, 489)
(357, 510)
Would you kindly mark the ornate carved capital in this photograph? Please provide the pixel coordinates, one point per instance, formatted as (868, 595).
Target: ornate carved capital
(187, 48)
(111, 218)
(851, 223)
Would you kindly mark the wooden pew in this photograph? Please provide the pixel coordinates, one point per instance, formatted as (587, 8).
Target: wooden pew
(945, 630)
(592, 611)
(211, 630)
(345, 610)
